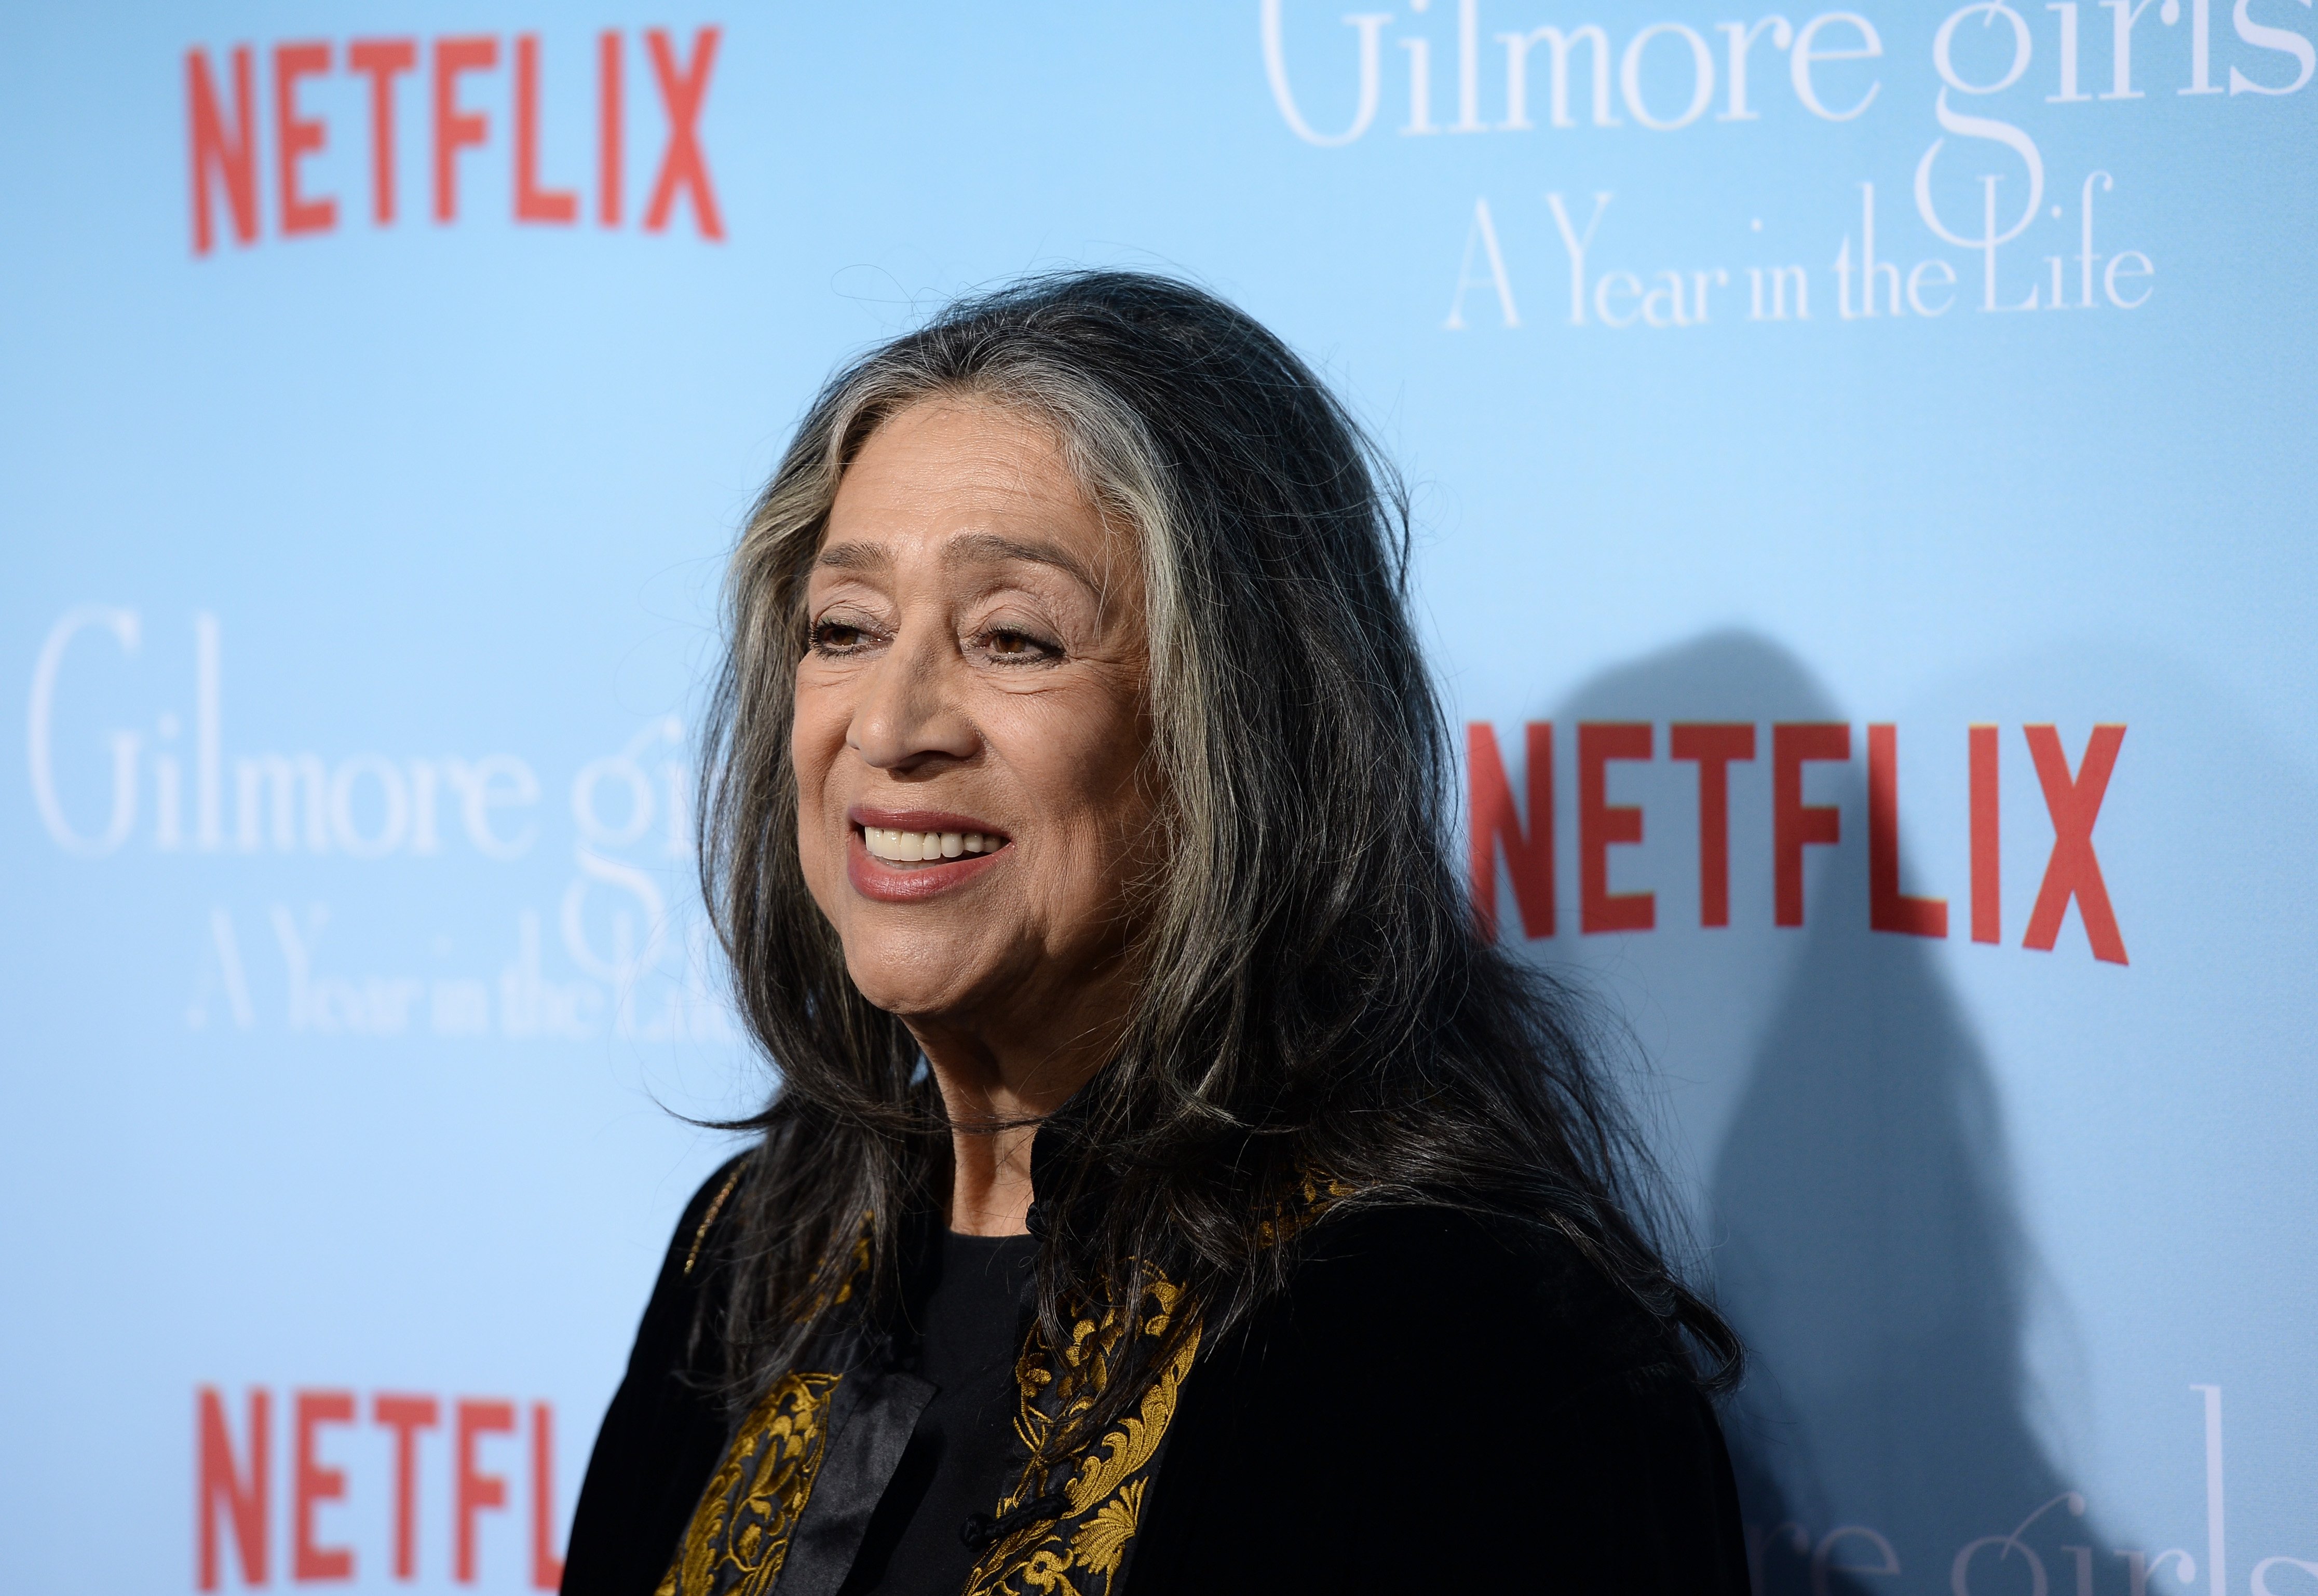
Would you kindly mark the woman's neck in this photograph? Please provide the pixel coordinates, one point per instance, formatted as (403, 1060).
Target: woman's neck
(994, 1103)
(990, 1189)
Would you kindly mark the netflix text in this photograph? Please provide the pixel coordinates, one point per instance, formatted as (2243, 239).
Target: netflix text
(251, 129)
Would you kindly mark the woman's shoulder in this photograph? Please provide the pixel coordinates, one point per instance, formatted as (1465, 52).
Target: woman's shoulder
(691, 1254)
(665, 1426)
(1441, 1400)
(688, 1263)
(1393, 1280)
(709, 1205)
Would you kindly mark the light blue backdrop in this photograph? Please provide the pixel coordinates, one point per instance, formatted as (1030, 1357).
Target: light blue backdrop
(361, 584)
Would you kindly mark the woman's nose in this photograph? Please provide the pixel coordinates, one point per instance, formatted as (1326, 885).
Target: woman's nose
(908, 712)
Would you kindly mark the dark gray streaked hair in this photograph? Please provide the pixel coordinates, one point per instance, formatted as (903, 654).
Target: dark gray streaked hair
(1312, 991)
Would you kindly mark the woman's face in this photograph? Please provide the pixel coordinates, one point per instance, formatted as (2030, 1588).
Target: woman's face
(970, 727)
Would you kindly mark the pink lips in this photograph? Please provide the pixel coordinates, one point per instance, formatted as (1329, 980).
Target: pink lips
(887, 883)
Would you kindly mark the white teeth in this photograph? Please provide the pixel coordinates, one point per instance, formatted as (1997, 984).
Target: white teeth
(915, 847)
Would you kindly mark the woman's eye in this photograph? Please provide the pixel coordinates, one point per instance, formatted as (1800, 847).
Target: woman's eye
(1016, 648)
(837, 636)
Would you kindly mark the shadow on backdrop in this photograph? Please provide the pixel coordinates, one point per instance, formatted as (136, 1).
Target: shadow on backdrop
(1864, 1236)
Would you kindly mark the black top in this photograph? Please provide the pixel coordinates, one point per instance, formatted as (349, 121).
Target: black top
(958, 1462)
(1438, 1402)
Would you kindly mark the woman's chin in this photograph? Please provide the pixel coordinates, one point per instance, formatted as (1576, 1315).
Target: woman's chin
(921, 981)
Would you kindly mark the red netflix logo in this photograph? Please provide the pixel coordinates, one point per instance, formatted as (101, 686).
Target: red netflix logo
(222, 115)
(234, 1493)
(2073, 798)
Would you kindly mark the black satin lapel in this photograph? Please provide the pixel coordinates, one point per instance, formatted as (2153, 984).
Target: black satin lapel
(867, 1436)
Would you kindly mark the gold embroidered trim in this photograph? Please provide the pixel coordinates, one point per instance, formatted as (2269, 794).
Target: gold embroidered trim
(1081, 1552)
(715, 1206)
(739, 1537)
(1315, 1193)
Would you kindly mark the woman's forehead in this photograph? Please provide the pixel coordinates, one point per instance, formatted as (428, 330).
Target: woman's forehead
(963, 443)
(967, 482)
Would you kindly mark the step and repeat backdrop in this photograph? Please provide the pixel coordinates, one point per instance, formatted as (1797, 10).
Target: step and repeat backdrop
(1867, 523)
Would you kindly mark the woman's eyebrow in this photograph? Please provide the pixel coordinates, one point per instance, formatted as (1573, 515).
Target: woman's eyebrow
(854, 557)
(990, 547)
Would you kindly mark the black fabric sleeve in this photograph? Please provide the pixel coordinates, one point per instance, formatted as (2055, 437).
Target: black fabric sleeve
(1435, 1408)
(663, 1434)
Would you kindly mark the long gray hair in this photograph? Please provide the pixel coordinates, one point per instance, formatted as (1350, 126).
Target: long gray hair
(1312, 991)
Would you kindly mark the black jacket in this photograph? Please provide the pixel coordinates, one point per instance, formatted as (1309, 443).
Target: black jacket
(1437, 1404)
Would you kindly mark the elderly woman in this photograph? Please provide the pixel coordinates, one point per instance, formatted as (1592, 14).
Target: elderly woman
(1167, 1189)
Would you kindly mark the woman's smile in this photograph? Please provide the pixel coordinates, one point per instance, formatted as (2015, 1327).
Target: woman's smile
(907, 856)
(912, 835)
